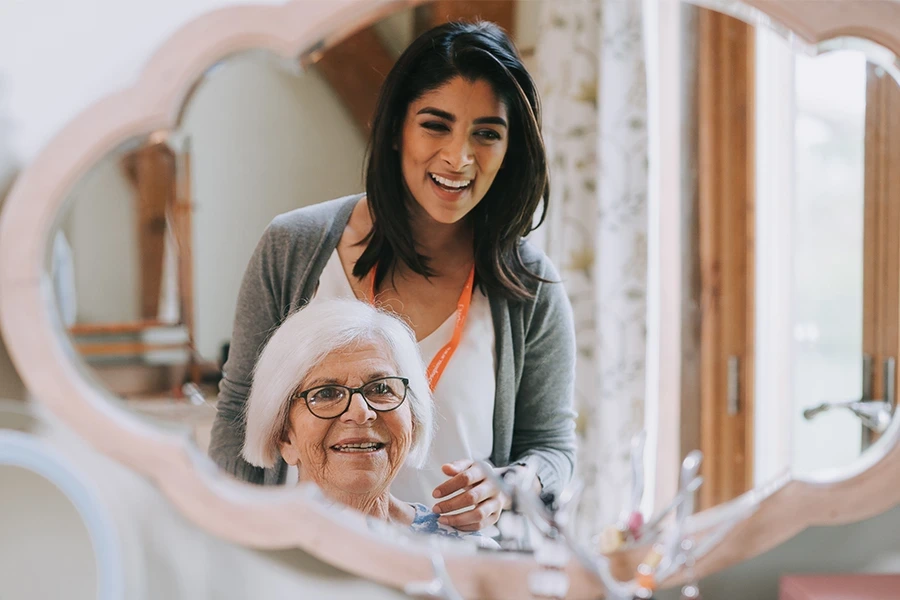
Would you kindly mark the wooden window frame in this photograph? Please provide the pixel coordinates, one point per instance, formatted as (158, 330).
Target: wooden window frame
(726, 197)
(881, 244)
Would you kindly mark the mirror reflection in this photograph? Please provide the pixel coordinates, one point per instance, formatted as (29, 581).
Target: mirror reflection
(220, 278)
(831, 264)
(845, 365)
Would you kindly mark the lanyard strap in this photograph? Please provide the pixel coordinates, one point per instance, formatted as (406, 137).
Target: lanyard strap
(440, 360)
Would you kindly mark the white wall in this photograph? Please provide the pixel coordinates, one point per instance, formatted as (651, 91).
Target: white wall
(101, 227)
(263, 142)
(52, 556)
(57, 57)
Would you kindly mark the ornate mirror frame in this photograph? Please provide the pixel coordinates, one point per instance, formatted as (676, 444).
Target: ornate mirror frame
(281, 518)
(788, 504)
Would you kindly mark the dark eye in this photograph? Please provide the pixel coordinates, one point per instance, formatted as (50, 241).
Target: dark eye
(326, 394)
(387, 390)
(435, 126)
(488, 134)
(381, 389)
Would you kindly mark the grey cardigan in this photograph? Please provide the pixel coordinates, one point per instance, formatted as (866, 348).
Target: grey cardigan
(533, 415)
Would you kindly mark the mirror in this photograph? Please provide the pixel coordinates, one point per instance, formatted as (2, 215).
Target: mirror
(149, 253)
(786, 280)
(843, 361)
(138, 258)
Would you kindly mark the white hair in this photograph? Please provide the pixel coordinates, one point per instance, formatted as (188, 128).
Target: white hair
(301, 342)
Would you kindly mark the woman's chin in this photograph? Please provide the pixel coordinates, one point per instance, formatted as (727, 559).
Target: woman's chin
(447, 215)
(359, 472)
(447, 208)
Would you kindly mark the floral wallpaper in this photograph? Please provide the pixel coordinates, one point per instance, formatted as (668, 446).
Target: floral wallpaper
(590, 70)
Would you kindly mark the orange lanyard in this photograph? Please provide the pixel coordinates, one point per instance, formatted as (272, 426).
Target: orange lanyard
(440, 360)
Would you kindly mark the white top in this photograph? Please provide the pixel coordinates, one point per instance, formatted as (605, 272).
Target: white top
(464, 396)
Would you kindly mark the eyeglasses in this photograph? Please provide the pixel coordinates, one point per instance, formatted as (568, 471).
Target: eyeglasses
(331, 401)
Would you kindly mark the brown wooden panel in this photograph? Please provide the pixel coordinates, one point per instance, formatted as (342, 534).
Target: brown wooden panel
(355, 69)
(123, 348)
(690, 240)
(117, 328)
(888, 265)
(881, 256)
(872, 217)
(726, 199)
(154, 178)
(891, 344)
(182, 231)
(501, 12)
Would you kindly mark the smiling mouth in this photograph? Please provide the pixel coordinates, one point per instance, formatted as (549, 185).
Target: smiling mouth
(450, 185)
(363, 447)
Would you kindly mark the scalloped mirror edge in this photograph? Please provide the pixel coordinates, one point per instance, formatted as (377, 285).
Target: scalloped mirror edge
(239, 512)
(232, 510)
(787, 505)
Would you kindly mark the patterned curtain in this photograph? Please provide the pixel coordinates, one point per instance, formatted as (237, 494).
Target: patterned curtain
(590, 69)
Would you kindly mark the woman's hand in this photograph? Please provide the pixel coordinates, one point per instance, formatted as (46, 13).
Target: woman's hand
(480, 493)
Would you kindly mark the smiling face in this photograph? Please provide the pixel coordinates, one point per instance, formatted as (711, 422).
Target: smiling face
(359, 453)
(453, 143)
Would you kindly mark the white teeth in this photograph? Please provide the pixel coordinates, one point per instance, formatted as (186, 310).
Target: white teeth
(364, 447)
(451, 183)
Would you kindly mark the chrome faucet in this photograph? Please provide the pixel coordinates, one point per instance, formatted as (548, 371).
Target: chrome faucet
(874, 414)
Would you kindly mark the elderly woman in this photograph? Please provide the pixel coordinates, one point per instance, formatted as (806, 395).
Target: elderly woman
(340, 392)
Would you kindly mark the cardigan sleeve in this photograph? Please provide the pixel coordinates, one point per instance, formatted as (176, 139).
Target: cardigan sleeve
(257, 315)
(544, 429)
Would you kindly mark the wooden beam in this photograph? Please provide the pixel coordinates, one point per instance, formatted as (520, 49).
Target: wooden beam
(152, 169)
(355, 69)
(501, 12)
(726, 198)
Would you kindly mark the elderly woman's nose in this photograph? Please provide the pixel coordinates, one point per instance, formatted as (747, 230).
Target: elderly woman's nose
(359, 411)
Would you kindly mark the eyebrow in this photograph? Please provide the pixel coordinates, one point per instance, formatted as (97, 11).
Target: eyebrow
(378, 375)
(442, 114)
(320, 381)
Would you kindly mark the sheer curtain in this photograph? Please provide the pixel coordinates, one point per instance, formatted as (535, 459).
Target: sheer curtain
(592, 77)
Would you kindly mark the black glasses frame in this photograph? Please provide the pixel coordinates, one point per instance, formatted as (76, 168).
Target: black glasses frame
(304, 395)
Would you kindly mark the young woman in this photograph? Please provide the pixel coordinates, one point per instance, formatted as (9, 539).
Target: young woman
(456, 170)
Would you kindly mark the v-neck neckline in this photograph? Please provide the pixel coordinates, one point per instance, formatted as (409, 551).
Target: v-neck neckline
(334, 263)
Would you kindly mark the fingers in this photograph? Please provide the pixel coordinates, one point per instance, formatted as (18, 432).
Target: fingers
(471, 497)
(484, 515)
(471, 475)
(457, 466)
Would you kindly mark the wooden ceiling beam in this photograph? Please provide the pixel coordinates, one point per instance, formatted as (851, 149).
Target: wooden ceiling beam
(355, 69)
(153, 171)
(501, 12)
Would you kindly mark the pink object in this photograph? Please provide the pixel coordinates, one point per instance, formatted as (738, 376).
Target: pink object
(839, 587)
(635, 524)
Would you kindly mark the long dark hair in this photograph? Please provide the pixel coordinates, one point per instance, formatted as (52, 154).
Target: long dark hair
(474, 51)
